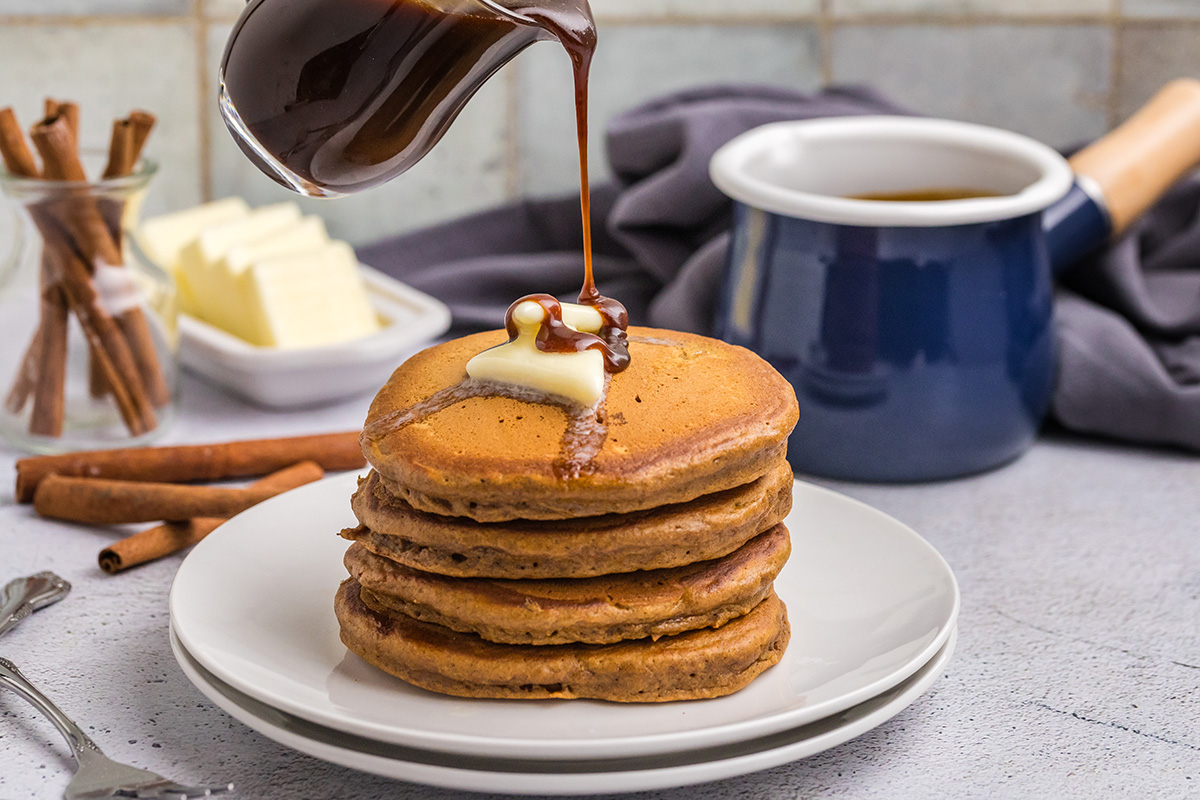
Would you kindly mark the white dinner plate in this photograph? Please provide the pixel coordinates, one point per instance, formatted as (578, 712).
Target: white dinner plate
(869, 601)
(531, 776)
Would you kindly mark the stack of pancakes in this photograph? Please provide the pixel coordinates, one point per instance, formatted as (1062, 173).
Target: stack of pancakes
(517, 548)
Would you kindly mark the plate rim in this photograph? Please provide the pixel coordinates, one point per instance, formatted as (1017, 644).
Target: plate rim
(583, 748)
(551, 782)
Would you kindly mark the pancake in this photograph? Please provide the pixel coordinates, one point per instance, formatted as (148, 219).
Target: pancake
(600, 610)
(706, 528)
(691, 416)
(709, 662)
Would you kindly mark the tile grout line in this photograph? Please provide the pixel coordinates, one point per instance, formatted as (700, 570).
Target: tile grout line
(203, 90)
(825, 39)
(1115, 65)
(825, 14)
(87, 20)
(968, 21)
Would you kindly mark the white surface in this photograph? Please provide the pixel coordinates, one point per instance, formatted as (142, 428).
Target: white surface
(305, 377)
(810, 169)
(579, 777)
(1075, 675)
(871, 603)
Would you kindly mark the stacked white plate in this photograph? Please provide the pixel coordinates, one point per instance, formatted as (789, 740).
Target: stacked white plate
(872, 607)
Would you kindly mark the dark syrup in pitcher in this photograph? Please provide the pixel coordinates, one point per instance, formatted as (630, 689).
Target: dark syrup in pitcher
(336, 96)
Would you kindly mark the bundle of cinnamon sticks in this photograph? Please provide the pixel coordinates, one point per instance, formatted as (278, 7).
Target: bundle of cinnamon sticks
(82, 274)
(153, 484)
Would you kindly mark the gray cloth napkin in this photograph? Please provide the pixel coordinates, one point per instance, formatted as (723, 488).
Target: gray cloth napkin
(1129, 331)
(1128, 318)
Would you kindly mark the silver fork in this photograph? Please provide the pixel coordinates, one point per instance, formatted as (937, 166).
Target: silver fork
(98, 776)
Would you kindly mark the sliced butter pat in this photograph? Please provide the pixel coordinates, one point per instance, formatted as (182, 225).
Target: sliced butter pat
(575, 376)
(163, 238)
(307, 234)
(307, 299)
(199, 258)
(228, 274)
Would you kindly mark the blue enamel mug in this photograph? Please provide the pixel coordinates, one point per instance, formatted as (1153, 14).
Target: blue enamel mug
(918, 334)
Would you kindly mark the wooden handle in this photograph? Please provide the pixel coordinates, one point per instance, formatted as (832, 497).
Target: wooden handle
(1139, 160)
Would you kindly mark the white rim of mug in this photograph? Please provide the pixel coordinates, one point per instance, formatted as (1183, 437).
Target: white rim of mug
(728, 171)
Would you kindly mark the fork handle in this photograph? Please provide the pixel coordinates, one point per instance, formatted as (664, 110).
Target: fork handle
(82, 747)
(22, 596)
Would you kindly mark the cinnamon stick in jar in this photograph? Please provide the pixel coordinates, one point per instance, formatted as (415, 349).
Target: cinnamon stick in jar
(18, 158)
(82, 274)
(63, 223)
(82, 221)
(125, 149)
(105, 341)
(335, 452)
(67, 110)
(172, 537)
(49, 400)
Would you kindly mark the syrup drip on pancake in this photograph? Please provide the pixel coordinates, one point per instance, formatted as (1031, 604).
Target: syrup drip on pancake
(555, 336)
(581, 441)
(587, 428)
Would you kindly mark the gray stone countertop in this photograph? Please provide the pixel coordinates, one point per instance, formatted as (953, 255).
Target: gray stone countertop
(1077, 672)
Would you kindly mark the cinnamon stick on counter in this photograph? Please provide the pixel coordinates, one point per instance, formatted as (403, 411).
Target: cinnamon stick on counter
(99, 501)
(335, 452)
(171, 537)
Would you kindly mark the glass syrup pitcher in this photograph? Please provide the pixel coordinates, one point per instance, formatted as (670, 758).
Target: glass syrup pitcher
(330, 97)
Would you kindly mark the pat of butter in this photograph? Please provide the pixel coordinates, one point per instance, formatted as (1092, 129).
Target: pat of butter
(575, 376)
(306, 299)
(164, 238)
(233, 311)
(306, 235)
(199, 257)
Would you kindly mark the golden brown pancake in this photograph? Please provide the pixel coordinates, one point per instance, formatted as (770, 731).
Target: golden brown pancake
(706, 528)
(709, 662)
(600, 610)
(689, 417)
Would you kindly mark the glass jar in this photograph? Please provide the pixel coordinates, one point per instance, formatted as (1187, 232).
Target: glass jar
(88, 347)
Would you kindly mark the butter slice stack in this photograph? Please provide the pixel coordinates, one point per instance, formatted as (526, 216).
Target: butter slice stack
(270, 275)
(200, 259)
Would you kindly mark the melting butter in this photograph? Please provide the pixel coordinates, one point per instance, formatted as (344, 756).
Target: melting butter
(575, 376)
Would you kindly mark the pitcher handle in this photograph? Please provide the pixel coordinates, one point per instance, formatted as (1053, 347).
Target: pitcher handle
(1139, 160)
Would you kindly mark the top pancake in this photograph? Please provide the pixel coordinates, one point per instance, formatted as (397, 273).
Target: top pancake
(690, 416)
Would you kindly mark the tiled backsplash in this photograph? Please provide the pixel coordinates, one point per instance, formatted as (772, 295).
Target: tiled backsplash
(1059, 70)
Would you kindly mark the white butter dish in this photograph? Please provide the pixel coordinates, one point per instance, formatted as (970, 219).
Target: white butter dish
(317, 375)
